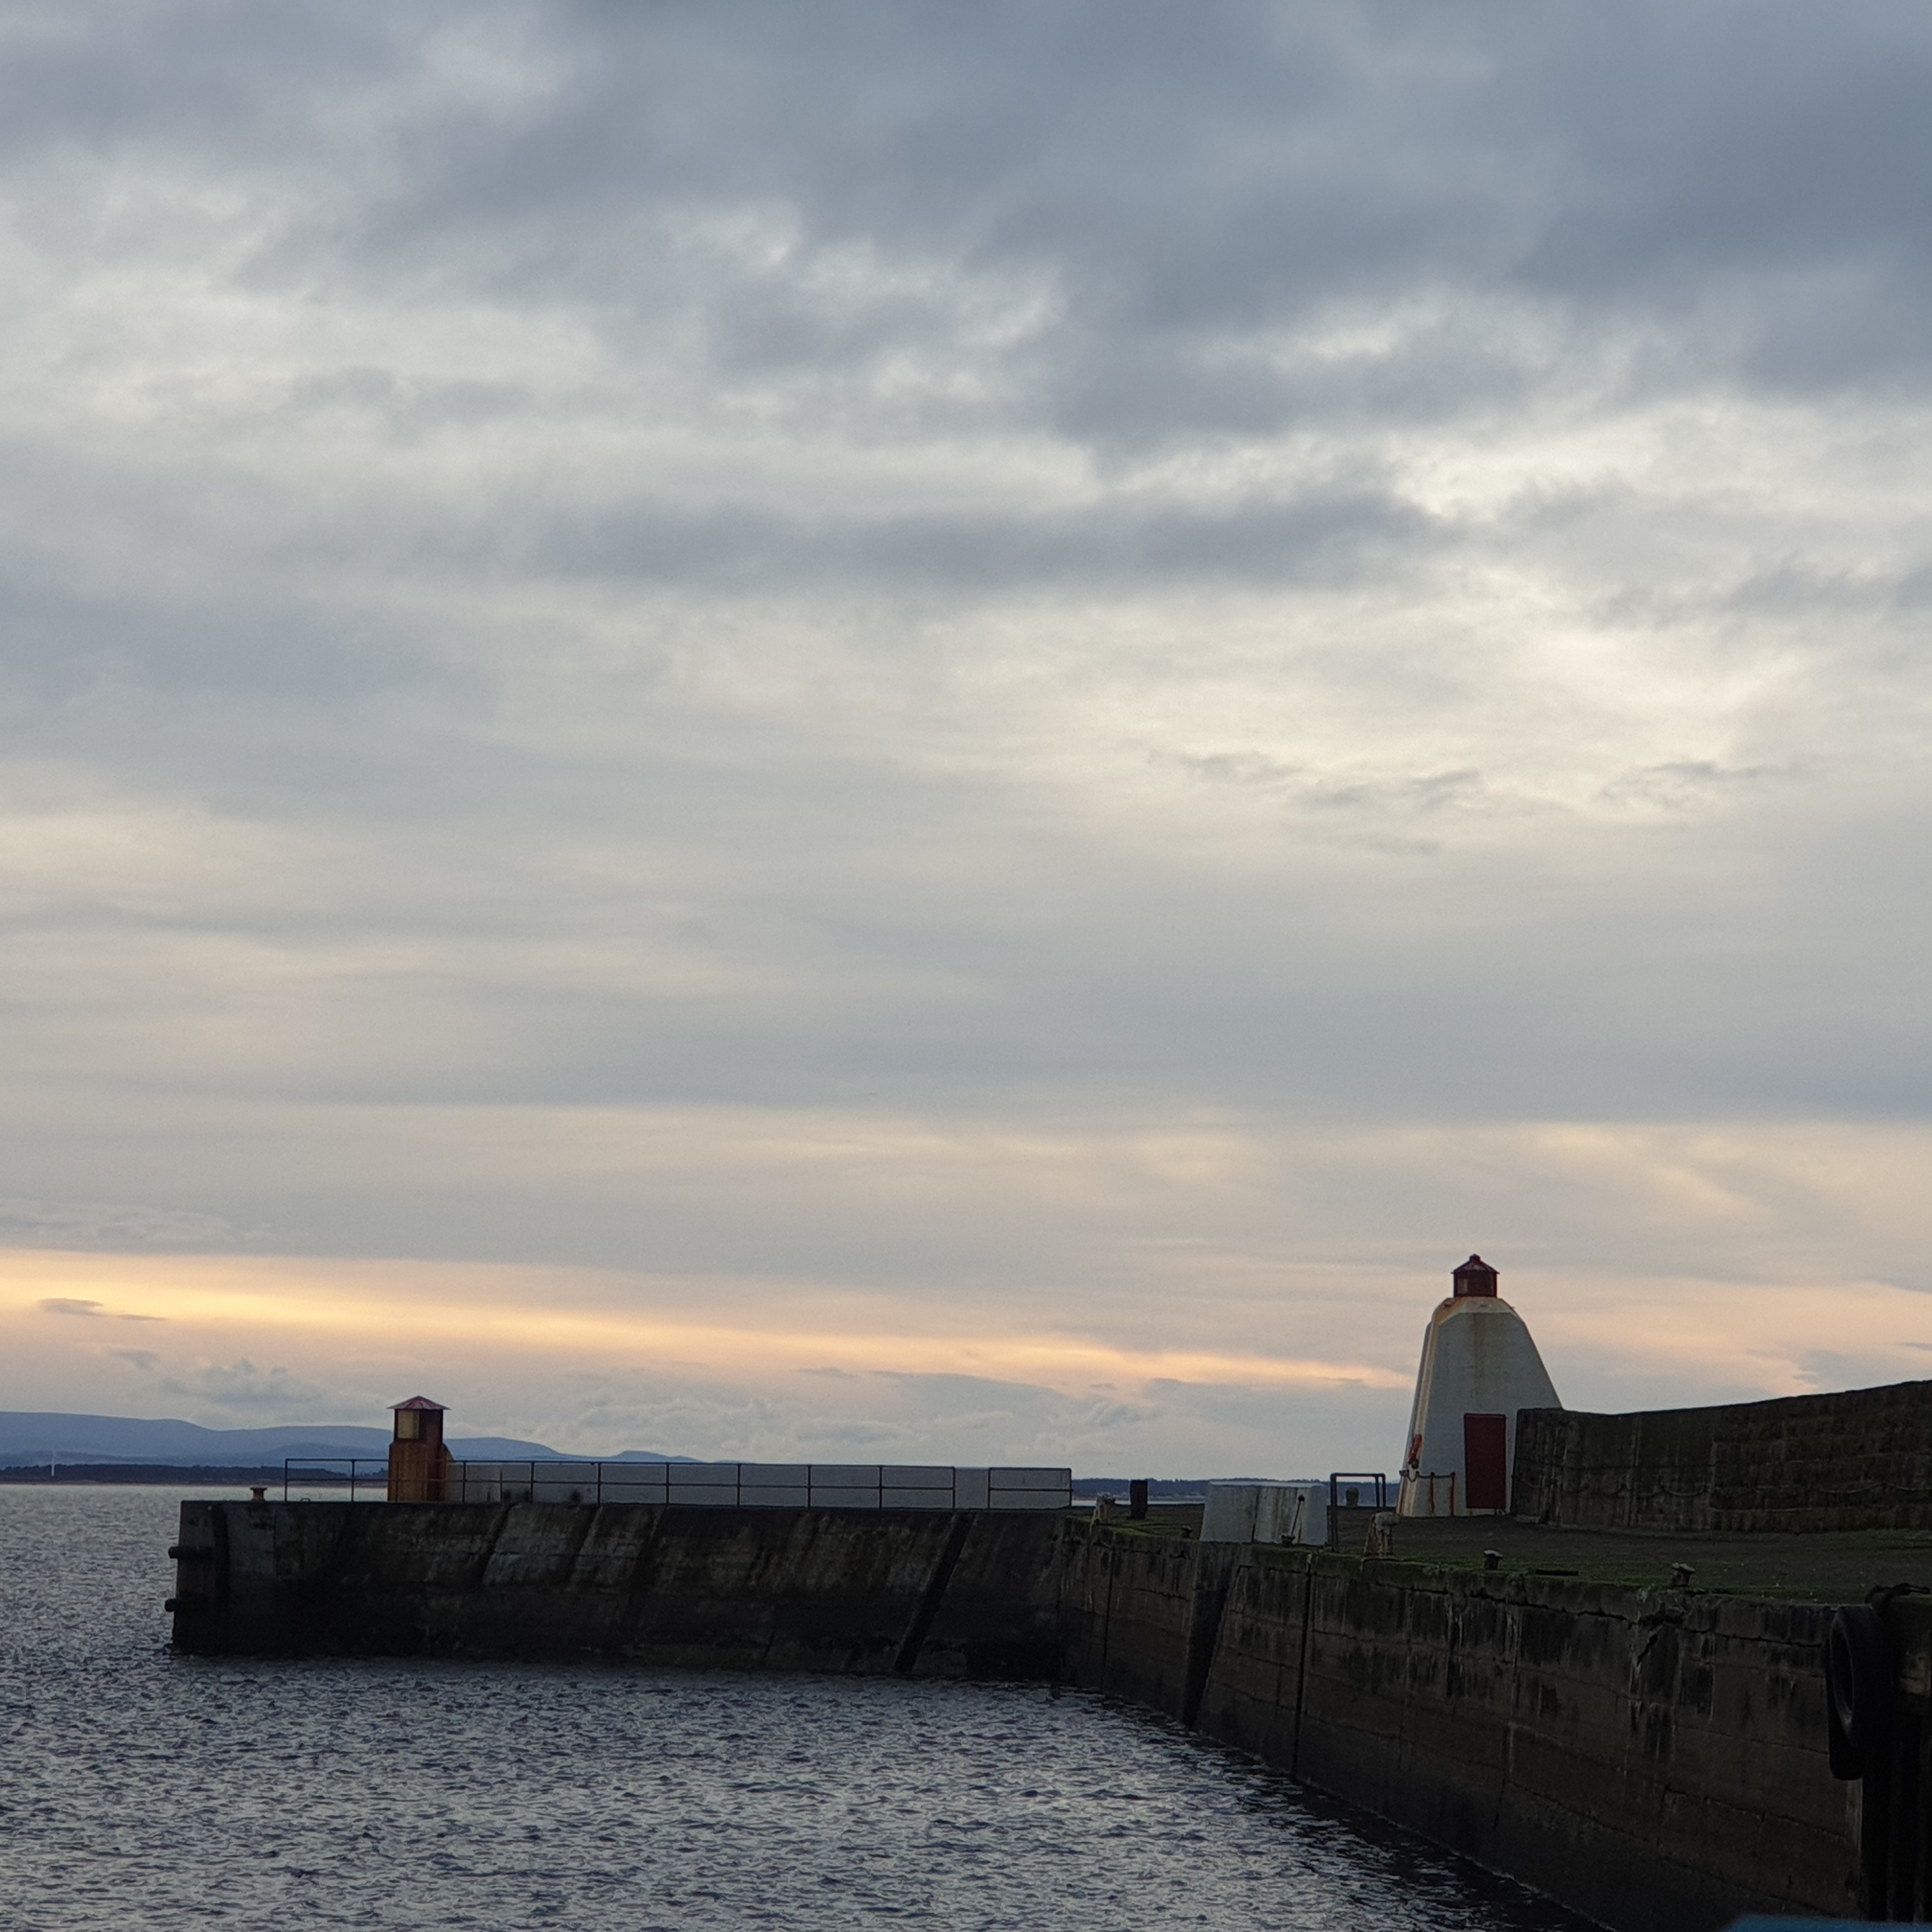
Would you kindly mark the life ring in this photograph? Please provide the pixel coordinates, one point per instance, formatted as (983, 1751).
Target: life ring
(1858, 1680)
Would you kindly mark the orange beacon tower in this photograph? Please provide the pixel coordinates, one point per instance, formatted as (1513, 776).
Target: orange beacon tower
(418, 1463)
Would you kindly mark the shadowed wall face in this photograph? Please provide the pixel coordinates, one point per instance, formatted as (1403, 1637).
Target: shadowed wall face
(915, 1591)
(1861, 1460)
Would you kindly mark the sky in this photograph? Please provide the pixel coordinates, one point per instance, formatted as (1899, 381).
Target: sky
(878, 733)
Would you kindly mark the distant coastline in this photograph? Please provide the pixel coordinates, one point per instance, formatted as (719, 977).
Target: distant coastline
(62, 1475)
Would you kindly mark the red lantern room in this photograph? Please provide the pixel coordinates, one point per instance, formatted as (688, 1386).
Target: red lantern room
(418, 1462)
(1475, 1276)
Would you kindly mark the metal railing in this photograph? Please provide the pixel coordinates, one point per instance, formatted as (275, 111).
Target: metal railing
(1360, 1478)
(338, 1471)
(713, 1485)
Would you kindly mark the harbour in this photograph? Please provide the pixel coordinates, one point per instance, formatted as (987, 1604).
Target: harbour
(1649, 1757)
(148, 1789)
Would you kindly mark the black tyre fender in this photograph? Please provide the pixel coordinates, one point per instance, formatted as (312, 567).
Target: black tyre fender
(1858, 1685)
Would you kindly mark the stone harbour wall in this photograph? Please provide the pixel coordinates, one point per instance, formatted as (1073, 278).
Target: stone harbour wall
(1652, 1759)
(880, 1590)
(1859, 1460)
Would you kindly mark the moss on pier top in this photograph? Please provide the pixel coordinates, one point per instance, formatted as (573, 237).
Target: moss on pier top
(1814, 1566)
(1818, 1566)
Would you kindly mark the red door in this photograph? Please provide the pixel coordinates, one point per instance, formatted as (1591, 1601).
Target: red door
(1486, 1461)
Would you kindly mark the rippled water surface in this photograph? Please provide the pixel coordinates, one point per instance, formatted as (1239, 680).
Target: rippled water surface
(140, 1789)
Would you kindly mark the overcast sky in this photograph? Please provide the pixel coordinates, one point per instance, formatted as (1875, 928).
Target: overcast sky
(960, 733)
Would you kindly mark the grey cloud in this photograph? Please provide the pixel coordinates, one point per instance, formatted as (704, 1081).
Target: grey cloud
(216, 75)
(1681, 787)
(1114, 1414)
(58, 649)
(1321, 1425)
(97, 1223)
(916, 1417)
(240, 1388)
(1050, 561)
(1325, 538)
(1175, 195)
(1171, 198)
(874, 1435)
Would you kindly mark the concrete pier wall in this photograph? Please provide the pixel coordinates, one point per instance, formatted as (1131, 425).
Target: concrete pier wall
(1654, 1758)
(1651, 1759)
(1861, 1459)
(881, 1590)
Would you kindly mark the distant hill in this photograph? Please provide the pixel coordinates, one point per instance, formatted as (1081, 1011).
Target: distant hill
(28, 1437)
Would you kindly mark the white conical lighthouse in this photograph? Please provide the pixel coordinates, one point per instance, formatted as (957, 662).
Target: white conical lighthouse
(1479, 1367)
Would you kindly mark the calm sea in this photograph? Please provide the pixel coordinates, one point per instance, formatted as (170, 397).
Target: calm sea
(139, 1790)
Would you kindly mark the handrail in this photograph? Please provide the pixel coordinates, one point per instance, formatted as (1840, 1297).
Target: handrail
(718, 1485)
(331, 1465)
(1378, 1477)
(748, 1485)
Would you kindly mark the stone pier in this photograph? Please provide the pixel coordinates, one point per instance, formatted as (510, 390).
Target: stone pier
(1654, 1757)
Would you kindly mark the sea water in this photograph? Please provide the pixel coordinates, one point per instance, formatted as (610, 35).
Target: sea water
(140, 1789)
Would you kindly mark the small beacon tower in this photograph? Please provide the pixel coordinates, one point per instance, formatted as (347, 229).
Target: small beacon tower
(1479, 1367)
(418, 1461)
